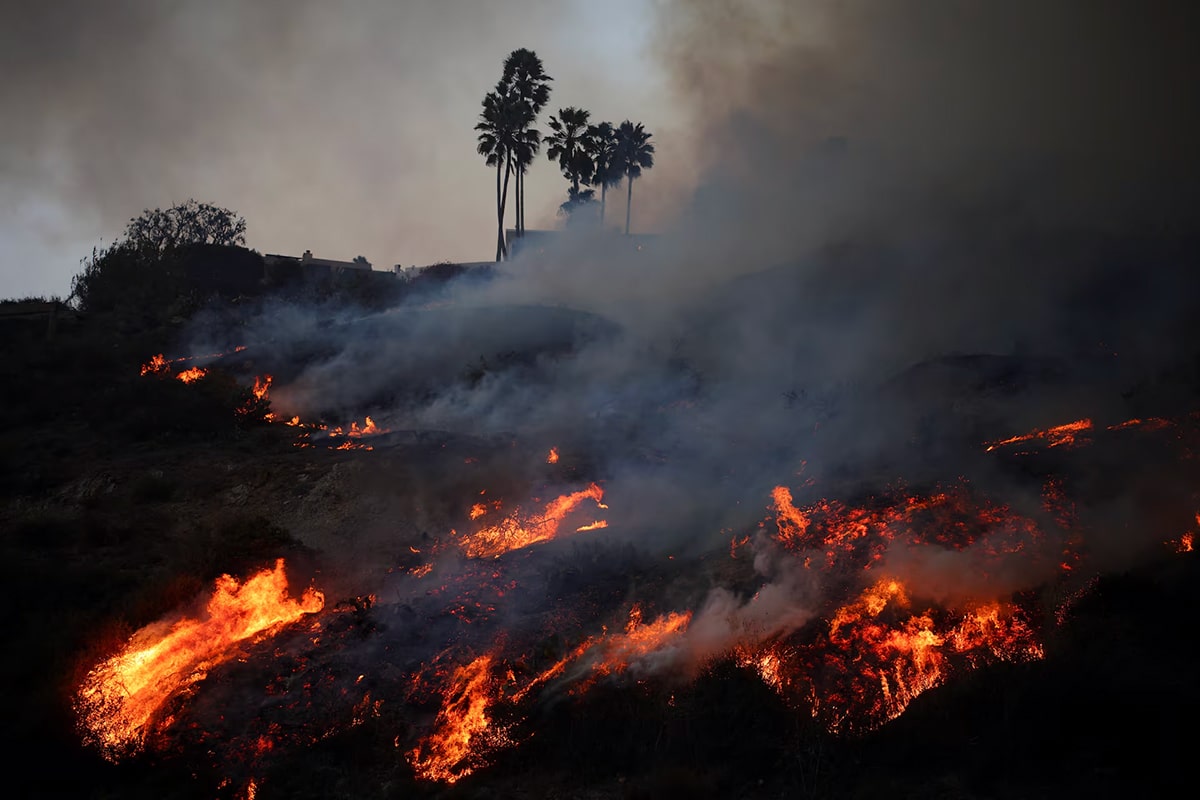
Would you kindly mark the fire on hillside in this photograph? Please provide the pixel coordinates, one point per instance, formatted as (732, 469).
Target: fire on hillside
(856, 607)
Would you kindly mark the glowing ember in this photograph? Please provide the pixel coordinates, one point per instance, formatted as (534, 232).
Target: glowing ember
(552, 457)
(1054, 437)
(462, 732)
(1149, 424)
(120, 697)
(516, 531)
(951, 517)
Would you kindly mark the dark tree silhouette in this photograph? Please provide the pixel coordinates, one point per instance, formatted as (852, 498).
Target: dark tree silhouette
(525, 77)
(189, 222)
(568, 145)
(634, 154)
(602, 147)
(500, 124)
(145, 271)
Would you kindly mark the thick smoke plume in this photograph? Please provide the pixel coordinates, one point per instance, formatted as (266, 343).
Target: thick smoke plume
(916, 228)
(880, 186)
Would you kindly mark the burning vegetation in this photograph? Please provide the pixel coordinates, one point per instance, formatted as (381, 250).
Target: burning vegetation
(121, 698)
(498, 613)
(915, 590)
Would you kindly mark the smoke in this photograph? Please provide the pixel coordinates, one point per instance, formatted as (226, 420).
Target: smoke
(345, 131)
(909, 226)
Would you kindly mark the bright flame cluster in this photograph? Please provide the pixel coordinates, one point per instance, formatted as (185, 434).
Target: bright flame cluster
(121, 697)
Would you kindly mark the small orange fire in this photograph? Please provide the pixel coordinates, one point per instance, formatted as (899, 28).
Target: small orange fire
(369, 428)
(262, 387)
(1057, 436)
(616, 653)
(516, 530)
(156, 365)
(552, 457)
(121, 697)
(192, 374)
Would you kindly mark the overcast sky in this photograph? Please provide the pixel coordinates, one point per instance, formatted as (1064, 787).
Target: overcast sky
(342, 128)
(347, 128)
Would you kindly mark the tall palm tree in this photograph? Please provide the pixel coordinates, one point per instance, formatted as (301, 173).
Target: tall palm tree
(568, 145)
(602, 141)
(528, 143)
(634, 154)
(499, 128)
(525, 77)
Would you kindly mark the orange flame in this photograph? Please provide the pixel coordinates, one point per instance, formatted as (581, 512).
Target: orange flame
(462, 732)
(552, 457)
(881, 656)
(1054, 437)
(619, 652)
(156, 365)
(369, 428)
(262, 387)
(192, 374)
(121, 696)
(791, 521)
(515, 531)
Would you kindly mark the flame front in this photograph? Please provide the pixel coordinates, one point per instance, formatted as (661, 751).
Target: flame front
(619, 652)
(121, 696)
(462, 731)
(516, 531)
(1057, 436)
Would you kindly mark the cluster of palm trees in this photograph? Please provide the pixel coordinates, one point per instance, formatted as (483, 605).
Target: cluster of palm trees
(589, 155)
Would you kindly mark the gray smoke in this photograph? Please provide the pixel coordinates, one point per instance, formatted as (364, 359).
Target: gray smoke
(882, 189)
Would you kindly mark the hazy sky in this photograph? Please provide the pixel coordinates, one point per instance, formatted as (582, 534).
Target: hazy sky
(347, 128)
(342, 128)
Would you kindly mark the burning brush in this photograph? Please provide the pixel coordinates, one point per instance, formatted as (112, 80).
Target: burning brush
(860, 606)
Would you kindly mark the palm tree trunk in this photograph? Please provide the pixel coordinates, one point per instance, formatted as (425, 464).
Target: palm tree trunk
(520, 199)
(499, 216)
(503, 203)
(628, 202)
(603, 192)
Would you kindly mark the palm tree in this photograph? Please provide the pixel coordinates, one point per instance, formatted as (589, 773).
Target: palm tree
(499, 126)
(568, 145)
(634, 153)
(602, 141)
(525, 77)
(528, 143)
